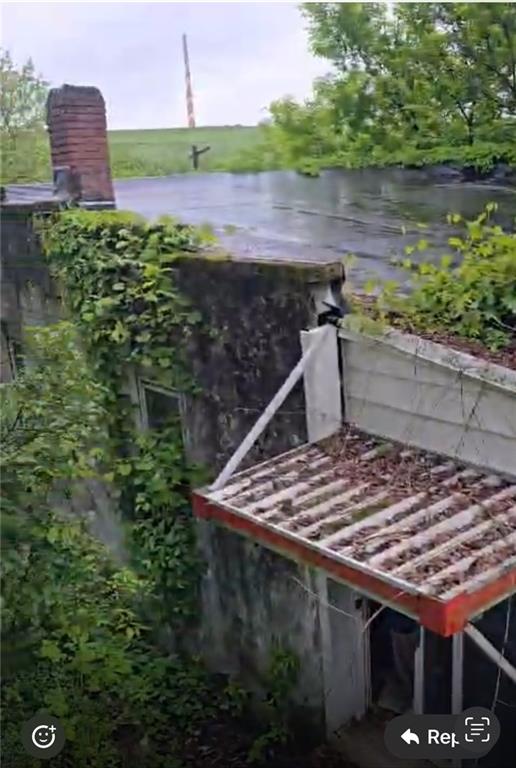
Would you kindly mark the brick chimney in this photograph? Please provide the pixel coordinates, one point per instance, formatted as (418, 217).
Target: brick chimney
(76, 120)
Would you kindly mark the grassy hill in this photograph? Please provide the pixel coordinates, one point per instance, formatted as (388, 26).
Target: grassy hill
(145, 153)
(164, 151)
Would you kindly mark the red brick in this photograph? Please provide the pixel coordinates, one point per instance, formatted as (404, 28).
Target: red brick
(76, 119)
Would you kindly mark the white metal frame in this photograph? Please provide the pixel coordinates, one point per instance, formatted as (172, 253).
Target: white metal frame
(318, 335)
(148, 384)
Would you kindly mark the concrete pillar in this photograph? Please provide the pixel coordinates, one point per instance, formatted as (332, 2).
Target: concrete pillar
(322, 386)
(345, 653)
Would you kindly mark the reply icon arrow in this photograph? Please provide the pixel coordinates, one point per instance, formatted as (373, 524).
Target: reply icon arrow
(410, 737)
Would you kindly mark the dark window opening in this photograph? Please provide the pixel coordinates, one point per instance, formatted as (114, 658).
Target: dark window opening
(161, 408)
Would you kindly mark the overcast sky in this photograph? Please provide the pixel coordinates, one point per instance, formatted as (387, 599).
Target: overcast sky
(242, 56)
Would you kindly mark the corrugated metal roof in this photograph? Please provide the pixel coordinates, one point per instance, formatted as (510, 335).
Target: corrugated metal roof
(421, 523)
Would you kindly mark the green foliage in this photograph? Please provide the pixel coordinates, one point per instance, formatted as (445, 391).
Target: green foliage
(117, 273)
(156, 479)
(22, 108)
(83, 633)
(93, 663)
(79, 629)
(426, 83)
(470, 293)
(279, 681)
(49, 433)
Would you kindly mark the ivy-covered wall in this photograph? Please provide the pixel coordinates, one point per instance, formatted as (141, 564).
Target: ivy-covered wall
(154, 308)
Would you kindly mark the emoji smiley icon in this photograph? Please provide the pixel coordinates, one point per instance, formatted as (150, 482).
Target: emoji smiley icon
(43, 736)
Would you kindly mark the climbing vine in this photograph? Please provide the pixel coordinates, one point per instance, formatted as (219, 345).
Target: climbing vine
(117, 271)
(117, 274)
(83, 626)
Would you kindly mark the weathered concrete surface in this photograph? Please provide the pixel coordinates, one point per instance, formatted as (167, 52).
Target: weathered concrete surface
(252, 598)
(424, 394)
(252, 603)
(28, 294)
(245, 348)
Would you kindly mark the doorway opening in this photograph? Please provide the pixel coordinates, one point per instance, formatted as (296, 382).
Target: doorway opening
(394, 639)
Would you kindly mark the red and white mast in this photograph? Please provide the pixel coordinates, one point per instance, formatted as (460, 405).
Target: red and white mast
(189, 92)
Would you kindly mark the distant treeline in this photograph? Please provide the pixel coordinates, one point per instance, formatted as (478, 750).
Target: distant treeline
(411, 84)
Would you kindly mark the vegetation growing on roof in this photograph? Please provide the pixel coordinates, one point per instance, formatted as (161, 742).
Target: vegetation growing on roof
(470, 293)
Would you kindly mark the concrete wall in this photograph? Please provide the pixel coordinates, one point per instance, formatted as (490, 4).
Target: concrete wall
(425, 394)
(28, 294)
(244, 348)
(252, 602)
(254, 599)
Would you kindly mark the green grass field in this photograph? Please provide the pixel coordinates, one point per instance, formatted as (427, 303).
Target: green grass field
(146, 153)
(161, 152)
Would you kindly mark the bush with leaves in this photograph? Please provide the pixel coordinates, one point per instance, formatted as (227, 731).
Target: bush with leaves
(73, 638)
(470, 293)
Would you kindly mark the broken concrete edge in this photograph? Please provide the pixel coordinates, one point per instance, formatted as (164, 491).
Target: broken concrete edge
(30, 207)
(306, 271)
(495, 375)
(50, 206)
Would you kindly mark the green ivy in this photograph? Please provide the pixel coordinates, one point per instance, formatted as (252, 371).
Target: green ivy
(94, 651)
(117, 273)
(156, 479)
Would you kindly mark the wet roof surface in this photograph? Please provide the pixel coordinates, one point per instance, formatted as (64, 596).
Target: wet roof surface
(282, 214)
(428, 524)
(29, 194)
(370, 213)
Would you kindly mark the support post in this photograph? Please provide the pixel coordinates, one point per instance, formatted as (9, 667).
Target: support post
(457, 672)
(322, 384)
(344, 651)
(419, 674)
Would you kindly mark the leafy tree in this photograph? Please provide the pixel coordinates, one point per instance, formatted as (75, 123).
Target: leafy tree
(417, 83)
(23, 95)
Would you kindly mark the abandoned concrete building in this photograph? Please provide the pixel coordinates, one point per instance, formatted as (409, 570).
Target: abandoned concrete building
(364, 511)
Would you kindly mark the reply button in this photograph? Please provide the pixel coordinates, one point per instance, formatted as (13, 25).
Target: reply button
(470, 734)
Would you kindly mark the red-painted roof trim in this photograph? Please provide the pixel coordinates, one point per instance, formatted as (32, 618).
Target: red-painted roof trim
(444, 618)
